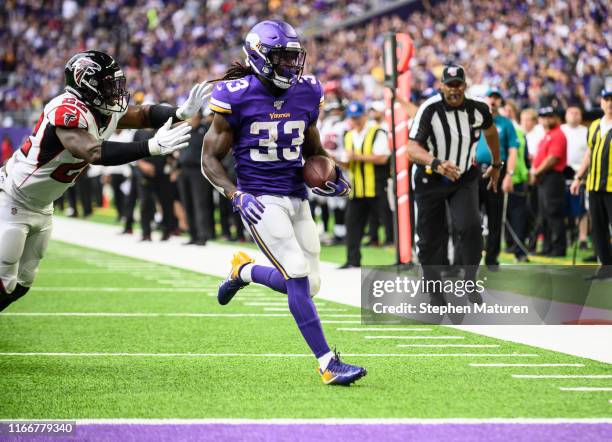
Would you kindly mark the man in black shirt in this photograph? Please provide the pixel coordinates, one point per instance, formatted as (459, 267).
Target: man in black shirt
(443, 139)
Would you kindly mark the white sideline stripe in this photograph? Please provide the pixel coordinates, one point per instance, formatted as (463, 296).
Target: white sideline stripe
(323, 321)
(285, 309)
(585, 388)
(118, 289)
(151, 315)
(414, 337)
(368, 329)
(450, 345)
(328, 421)
(262, 304)
(264, 355)
(562, 376)
(526, 365)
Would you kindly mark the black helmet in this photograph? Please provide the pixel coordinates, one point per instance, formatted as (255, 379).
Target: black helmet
(96, 79)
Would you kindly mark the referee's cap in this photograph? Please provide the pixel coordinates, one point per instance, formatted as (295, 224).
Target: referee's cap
(453, 72)
(355, 109)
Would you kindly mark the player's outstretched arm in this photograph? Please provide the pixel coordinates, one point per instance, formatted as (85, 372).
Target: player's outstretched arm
(155, 115)
(81, 144)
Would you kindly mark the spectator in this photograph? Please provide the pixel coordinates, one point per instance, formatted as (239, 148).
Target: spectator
(576, 136)
(547, 171)
(368, 155)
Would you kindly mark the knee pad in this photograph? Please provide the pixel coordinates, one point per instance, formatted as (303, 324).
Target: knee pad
(295, 264)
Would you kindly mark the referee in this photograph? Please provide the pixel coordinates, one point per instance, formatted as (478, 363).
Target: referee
(443, 139)
(598, 162)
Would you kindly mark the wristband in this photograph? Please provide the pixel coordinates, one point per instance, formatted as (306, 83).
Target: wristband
(497, 165)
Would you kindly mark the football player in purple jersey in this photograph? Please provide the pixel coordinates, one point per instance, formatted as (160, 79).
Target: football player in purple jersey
(265, 114)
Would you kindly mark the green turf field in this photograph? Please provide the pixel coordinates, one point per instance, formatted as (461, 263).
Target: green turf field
(245, 366)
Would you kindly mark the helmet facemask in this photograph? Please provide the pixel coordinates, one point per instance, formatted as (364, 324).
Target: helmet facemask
(114, 96)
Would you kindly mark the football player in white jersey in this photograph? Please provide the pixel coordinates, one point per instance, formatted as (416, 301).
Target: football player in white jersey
(71, 133)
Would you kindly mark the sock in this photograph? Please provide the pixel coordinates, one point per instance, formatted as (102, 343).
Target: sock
(324, 360)
(268, 276)
(245, 273)
(306, 317)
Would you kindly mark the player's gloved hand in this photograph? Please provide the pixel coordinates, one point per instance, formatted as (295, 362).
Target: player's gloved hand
(340, 188)
(167, 139)
(248, 206)
(199, 93)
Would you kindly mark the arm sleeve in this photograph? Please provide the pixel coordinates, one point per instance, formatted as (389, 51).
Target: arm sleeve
(114, 153)
(421, 125)
(487, 118)
(159, 114)
(221, 103)
(513, 141)
(319, 98)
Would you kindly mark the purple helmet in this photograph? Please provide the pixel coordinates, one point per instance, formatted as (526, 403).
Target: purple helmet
(274, 52)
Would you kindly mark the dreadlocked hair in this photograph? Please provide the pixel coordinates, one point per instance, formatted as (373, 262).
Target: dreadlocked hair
(236, 71)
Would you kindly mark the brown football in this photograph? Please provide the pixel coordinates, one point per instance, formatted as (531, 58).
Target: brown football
(317, 170)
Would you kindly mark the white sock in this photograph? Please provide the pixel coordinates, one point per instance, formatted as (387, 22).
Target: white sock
(245, 273)
(324, 360)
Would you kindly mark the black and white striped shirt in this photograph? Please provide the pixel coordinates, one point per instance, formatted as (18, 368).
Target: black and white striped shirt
(451, 133)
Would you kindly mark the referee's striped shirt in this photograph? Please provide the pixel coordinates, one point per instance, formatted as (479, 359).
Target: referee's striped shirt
(451, 133)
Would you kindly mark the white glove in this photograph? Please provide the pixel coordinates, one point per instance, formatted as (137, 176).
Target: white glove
(199, 93)
(167, 140)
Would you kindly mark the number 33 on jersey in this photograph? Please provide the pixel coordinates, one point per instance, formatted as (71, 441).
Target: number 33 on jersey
(268, 131)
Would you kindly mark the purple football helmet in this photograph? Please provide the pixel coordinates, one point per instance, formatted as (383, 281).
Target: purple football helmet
(274, 52)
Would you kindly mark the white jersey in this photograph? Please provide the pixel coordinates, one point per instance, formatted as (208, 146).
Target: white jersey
(42, 170)
(332, 132)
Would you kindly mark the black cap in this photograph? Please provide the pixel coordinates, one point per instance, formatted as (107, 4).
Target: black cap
(606, 92)
(453, 72)
(546, 111)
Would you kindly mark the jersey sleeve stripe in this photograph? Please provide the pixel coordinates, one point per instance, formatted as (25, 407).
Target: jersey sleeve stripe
(220, 104)
(218, 109)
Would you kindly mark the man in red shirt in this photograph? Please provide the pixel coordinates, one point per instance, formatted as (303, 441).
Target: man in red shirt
(547, 171)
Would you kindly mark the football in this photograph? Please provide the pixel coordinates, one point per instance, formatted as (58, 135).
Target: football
(318, 170)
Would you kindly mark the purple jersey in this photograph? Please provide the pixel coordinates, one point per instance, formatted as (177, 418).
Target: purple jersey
(268, 132)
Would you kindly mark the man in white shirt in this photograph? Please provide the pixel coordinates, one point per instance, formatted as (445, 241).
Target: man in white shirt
(534, 132)
(576, 135)
(368, 154)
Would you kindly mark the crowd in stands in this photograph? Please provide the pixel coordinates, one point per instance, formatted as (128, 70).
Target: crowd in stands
(538, 52)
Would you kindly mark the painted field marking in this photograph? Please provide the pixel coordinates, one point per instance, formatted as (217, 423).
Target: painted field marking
(263, 355)
(153, 315)
(149, 315)
(449, 345)
(368, 329)
(562, 376)
(285, 309)
(585, 388)
(323, 321)
(414, 337)
(118, 289)
(328, 421)
(265, 304)
(493, 365)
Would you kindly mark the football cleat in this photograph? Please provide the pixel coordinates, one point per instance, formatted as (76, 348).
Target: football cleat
(230, 286)
(339, 373)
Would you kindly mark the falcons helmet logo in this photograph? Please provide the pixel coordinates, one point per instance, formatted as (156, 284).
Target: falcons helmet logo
(82, 67)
